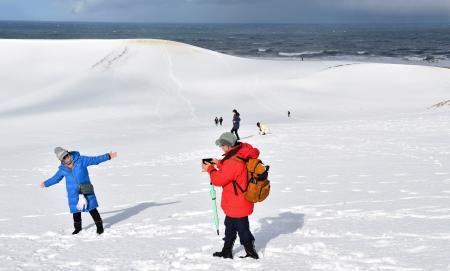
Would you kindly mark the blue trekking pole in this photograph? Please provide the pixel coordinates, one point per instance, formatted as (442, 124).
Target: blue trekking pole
(212, 192)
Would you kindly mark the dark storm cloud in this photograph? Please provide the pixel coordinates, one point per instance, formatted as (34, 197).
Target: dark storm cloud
(269, 11)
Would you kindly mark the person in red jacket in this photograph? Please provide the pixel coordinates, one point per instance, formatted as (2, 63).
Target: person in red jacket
(231, 174)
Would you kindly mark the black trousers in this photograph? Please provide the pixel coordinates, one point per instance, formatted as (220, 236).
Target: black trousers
(235, 131)
(94, 213)
(241, 226)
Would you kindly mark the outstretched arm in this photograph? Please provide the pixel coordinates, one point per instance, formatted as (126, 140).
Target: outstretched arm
(53, 180)
(95, 160)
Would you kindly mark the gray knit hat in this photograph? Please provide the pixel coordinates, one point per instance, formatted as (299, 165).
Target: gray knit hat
(60, 153)
(226, 139)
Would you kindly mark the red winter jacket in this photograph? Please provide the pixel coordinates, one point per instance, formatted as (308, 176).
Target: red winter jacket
(229, 170)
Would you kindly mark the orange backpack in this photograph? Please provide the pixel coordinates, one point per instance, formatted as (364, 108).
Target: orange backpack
(258, 186)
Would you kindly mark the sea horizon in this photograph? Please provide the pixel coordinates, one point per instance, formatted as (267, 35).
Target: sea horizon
(402, 43)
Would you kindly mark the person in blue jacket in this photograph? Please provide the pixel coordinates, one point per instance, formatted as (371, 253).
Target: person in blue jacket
(74, 168)
(236, 123)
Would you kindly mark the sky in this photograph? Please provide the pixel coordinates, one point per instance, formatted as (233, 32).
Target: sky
(228, 11)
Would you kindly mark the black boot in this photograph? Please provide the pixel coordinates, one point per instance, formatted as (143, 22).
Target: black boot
(99, 225)
(250, 250)
(98, 220)
(77, 226)
(227, 250)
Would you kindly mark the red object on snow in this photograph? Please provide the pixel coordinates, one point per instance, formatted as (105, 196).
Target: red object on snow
(229, 170)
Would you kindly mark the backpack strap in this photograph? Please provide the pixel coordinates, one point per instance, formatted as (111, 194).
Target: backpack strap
(232, 153)
(236, 186)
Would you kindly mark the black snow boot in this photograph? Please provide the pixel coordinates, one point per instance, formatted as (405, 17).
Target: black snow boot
(250, 250)
(99, 225)
(98, 220)
(77, 226)
(227, 250)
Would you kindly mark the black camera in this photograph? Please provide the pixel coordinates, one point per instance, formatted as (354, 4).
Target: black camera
(207, 160)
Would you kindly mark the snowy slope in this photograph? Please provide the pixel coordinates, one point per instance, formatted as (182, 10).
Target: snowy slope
(164, 80)
(360, 174)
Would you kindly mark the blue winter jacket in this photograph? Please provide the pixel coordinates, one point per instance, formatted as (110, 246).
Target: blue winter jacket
(236, 121)
(78, 175)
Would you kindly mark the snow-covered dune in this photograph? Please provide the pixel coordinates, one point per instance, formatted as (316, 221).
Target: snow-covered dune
(164, 80)
(360, 172)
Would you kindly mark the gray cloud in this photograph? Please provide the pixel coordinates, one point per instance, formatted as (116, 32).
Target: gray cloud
(81, 6)
(258, 10)
(371, 5)
(399, 6)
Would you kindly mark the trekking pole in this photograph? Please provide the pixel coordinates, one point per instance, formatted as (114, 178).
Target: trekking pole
(212, 192)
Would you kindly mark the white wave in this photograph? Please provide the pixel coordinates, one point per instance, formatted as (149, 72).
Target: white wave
(304, 53)
(415, 58)
(428, 58)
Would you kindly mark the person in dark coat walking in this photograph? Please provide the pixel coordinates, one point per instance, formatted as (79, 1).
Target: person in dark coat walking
(216, 121)
(220, 121)
(73, 167)
(289, 114)
(236, 123)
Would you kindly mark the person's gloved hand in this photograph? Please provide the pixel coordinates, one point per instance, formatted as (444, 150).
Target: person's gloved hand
(82, 202)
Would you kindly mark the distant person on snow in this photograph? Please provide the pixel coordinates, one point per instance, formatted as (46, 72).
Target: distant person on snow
(289, 114)
(229, 173)
(80, 191)
(220, 121)
(236, 123)
(216, 121)
(263, 128)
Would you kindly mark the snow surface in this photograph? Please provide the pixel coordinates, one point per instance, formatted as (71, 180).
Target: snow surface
(360, 174)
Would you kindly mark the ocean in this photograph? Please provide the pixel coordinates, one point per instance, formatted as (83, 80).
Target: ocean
(424, 44)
